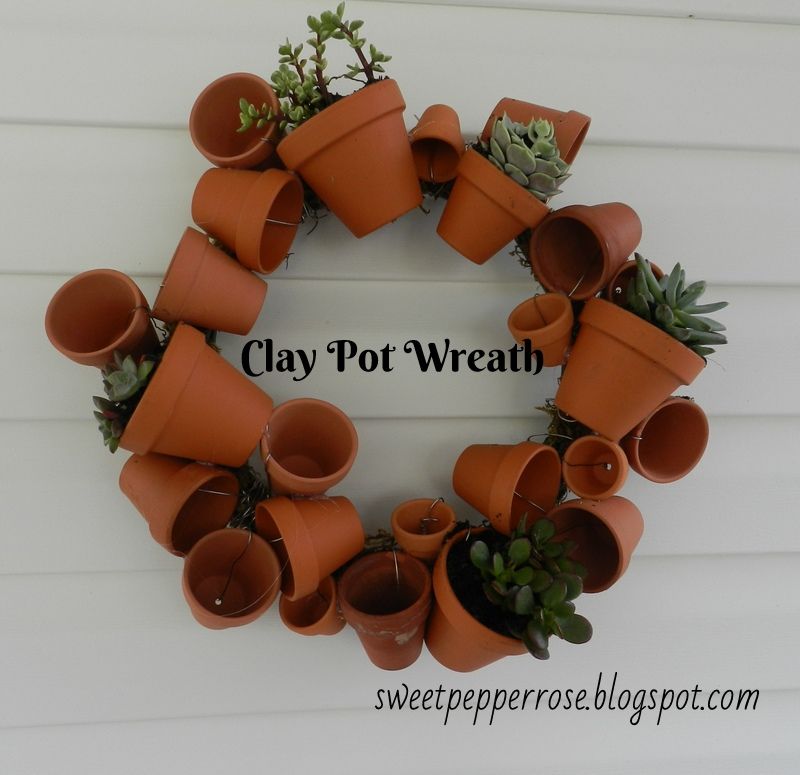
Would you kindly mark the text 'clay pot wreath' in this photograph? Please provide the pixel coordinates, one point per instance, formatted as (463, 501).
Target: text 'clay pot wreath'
(625, 335)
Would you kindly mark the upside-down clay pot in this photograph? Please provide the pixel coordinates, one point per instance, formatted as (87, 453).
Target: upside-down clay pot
(386, 597)
(356, 156)
(669, 442)
(606, 533)
(617, 289)
(312, 536)
(420, 525)
(578, 249)
(486, 209)
(215, 118)
(546, 320)
(308, 447)
(594, 467)
(314, 614)
(205, 287)
(437, 144)
(182, 501)
(230, 578)
(620, 368)
(254, 214)
(96, 313)
(454, 637)
(198, 406)
(505, 481)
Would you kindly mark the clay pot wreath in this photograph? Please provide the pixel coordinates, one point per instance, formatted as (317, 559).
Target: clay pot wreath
(624, 334)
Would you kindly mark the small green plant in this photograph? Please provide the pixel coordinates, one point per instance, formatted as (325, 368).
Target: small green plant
(533, 580)
(301, 83)
(672, 305)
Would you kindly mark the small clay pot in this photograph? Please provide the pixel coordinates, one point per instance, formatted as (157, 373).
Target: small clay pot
(96, 313)
(315, 614)
(420, 525)
(669, 442)
(386, 598)
(236, 568)
(546, 320)
(437, 144)
(594, 467)
(617, 289)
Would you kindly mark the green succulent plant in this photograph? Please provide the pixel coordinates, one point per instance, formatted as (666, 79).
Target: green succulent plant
(528, 154)
(672, 305)
(533, 580)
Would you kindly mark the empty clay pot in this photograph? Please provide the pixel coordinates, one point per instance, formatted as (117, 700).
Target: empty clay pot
(546, 320)
(617, 289)
(315, 614)
(386, 598)
(594, 467)
(437, 144)
(420, 525)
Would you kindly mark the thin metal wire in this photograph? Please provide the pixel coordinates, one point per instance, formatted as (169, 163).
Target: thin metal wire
(578, 283)
(606, 466)
(285, 223)
(218, 601)
(218, 492)
(528, 500)
(428, 518)
(396, 566)
(559, 435)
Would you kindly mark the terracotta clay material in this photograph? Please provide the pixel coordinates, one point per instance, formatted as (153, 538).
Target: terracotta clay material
(308, 447)
(215, 118)
(594, 467)
(386, 598)
(254, 214)
(312, 536)
(620, 369)
(207, 288)
(504, 481)
(617, 289)
(578, 249)
(182, 501)
(356, 156)
(198, 406)
(420, 525)
(547, 320)
(606, 533)
(315, 614)
(236, 568)
(486, 210)
(669, 442)
(437, 144)
(97, 312)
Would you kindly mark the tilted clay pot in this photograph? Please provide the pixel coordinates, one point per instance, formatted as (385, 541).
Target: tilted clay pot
(617, 289)
(437, 144)
(96, 313)
(315, 614)
(215, 118)
(356, 156)
(578, 249)
(546, 320)
(205, 287)
(420, 525)
(594, 467)
(386, 598)
(669, 442)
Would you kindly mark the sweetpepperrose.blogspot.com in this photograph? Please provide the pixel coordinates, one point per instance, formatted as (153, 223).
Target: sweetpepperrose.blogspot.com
(484, 706)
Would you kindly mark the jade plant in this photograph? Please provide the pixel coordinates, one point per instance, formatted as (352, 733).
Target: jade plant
(672, 305)
(533, 580)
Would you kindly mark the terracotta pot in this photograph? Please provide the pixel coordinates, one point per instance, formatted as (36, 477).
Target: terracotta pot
(420, 525)
(312, 536)
(571, 127)
(254, 214)
(437, 144)
(617, 289)
(486, 210)
(215, 118)
(315, 614)
(669, 442)
(97, 312)
(505, 481)
(578, 249)
(308, 447)
(454, 637)
(546, 320)
(386, 598)
(594, 467)
(606, 533)
(620, 368)
(235, 567)
(207, 288)
(198, 406)
(182, 501)
(356, 157)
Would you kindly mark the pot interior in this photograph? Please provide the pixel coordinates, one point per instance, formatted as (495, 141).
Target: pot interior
(591, 467)
(424, 517)
(308, 610)
(573, 256)
(378, 588)
(435, 160)
(537, 487)
(538, 312)
(596, 548)
(204, 512)
(673, 440)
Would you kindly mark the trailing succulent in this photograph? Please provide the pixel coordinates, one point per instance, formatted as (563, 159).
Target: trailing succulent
(528, 154)
(301, 83)
(672, 305)
(534, 581)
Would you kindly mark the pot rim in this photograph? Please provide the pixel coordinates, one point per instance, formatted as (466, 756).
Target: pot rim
(285, 607)
(549, 332)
